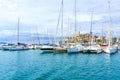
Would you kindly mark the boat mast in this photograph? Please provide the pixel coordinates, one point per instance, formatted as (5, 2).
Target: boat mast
(91, 28)
(59, 18)
(48, 36)
(38, 37)
(110, 23)
(62, 20)
(75, 21)
(102, 41)
(18, 31)
(68, 30)
(57, 26)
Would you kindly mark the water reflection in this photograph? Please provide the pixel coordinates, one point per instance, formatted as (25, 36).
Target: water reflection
(107, 58)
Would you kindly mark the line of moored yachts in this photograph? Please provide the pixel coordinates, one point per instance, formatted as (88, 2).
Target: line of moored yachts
(76, 48)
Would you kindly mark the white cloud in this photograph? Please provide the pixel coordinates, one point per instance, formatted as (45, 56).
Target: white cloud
(44, 13)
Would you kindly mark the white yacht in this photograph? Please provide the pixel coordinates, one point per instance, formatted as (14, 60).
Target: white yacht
(47, 48)
(111, 48)
(12, 47)
(31, 46)
(94, 48)
(38, 46)
(75, 49)
(15, 47)
(91, 47)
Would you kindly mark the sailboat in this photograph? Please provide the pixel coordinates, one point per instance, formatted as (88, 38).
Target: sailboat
(60, 48)
(111, 48)
(16, 47)
(77, 47)
(47, 48)
(92, 48)
(103, 42)
(35, 46)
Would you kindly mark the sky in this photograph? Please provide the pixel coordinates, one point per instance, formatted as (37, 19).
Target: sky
(41, 16)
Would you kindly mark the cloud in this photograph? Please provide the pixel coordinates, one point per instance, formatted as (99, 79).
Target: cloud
(43, 14)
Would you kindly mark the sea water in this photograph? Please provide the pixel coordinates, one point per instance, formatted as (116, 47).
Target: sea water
(35, 65)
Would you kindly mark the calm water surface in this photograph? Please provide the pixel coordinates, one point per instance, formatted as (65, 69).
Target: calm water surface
(34, 65)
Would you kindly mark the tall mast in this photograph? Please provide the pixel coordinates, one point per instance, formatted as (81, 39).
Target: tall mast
(102, 41)
(91, 28)
(18, 30)
(38, 35)
(48, 37)
(62, 20)
(57, 26)
(68, 27)
(110, 24)
(68, 30)
(75, 21)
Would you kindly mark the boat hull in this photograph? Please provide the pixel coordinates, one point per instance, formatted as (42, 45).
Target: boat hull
(92, 49)
(47, 50)
(111, 51)
(75, 49)
(14, 48)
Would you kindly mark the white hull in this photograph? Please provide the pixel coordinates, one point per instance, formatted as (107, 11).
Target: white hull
(14, 48)
(31, 46)
(119, 47)
(75, 49)
(92, 49)
(38, 46)
(111, 49)
(47, 48)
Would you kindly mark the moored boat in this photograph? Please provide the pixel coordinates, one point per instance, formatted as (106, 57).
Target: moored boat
(15, 47)
(31, 46)
(46, 48)
(75, 49)
(111, 48)
(94, 48)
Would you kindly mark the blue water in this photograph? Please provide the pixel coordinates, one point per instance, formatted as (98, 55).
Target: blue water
(34, 65)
